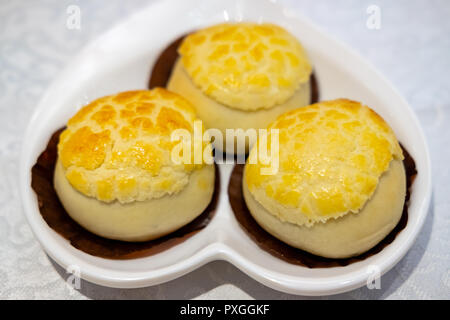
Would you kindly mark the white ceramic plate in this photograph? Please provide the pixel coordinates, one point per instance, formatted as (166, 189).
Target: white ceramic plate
(122, 58)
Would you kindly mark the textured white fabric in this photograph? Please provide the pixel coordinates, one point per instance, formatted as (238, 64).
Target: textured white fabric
(412, 49)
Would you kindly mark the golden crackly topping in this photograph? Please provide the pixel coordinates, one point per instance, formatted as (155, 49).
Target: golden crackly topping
(331, 156)
(119, 147)
(247, 66)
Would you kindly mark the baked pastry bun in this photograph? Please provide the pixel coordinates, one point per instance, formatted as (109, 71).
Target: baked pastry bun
(340, 186)
(242, 76)
(115, 174)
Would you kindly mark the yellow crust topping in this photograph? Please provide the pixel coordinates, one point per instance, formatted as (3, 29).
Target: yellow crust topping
(331, 156)
(118, 147)
(247, 66)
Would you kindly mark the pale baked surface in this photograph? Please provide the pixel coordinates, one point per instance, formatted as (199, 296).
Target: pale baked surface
(218, 116)
(118, 147)
(246, 66)
(332, 155)
(138, 220)
(349, 235)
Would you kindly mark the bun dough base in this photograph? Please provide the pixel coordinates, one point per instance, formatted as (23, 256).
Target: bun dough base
(219, 116)
(138, 220)
(349, 235)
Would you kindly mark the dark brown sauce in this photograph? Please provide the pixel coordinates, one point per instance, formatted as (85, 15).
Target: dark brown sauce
(283, 251)
(59, 220)
(162, 69)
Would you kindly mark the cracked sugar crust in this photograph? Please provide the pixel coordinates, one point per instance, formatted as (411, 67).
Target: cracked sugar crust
(118, 147)
(246, 66)
(331, 154)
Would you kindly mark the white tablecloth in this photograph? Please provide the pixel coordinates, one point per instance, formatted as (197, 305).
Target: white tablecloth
(412, 48)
